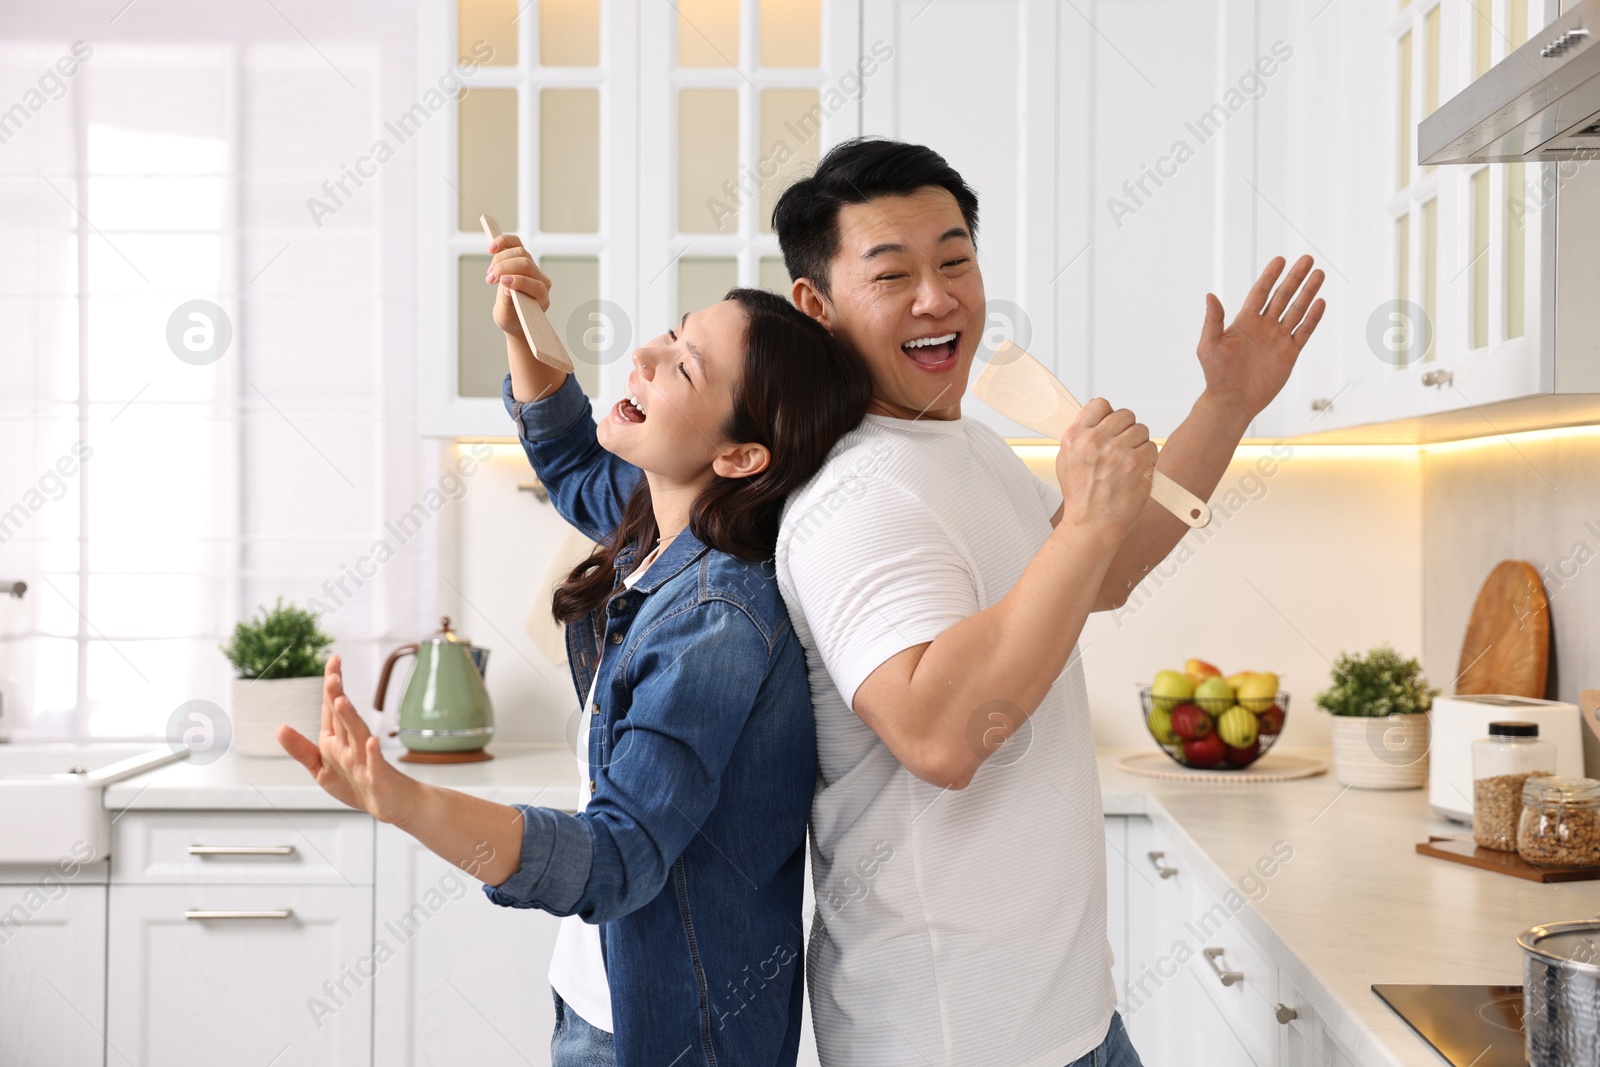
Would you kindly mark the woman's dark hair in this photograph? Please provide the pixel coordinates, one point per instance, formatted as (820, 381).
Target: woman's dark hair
(855, 172)
(800, 390)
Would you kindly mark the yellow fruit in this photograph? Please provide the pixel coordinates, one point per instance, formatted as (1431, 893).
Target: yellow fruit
(1160, 722)
(1171, 688)
(1214, 695)
(1236, 680)
(1237, 726)
(1259, 691)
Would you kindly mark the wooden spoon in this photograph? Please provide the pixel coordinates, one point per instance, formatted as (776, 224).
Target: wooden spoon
(1023, 389)
(542, 337)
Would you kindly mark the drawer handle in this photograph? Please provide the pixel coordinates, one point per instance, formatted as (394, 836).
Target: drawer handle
(208, 916)
(1286, 1014)
(1226, 977)
(1161, 868)
(241, 850)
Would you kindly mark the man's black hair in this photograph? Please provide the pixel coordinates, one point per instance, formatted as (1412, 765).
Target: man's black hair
(854, 172)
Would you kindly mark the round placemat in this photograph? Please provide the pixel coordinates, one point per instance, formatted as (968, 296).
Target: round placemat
(1273, 767)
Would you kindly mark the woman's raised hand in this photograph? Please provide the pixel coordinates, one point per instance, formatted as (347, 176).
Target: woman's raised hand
(345, 759)
(513, 268)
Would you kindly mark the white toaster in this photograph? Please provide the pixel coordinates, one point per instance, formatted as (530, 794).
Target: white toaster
(1458, 721)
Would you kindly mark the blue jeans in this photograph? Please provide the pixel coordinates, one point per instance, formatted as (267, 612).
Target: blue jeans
(1115, 1051)
(577, 1044)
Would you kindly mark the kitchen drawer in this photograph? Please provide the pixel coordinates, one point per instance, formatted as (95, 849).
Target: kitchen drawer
(242, 848)
(1245, 1003)
(240, 975)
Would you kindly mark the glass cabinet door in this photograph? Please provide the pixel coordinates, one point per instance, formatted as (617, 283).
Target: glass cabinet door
(743, 97)
(537, 129)
(638, 148)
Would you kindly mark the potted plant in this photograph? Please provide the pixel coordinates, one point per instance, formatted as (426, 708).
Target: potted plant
(279, 658)
(1380, 708)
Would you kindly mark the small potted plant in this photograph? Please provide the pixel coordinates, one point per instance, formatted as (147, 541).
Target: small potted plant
(279, 658)
(1380, 708)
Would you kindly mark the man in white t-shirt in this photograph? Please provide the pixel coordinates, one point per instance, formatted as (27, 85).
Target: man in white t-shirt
(939, 589)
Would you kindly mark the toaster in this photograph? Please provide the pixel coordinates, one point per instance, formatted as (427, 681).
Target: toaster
(1457, 721)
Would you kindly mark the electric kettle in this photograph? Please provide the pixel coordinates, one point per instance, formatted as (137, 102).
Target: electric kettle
(445, 712)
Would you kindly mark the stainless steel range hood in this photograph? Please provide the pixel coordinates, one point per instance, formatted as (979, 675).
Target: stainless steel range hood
(1541, 103)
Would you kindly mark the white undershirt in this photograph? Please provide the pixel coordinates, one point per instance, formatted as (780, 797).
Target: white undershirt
(578, 969)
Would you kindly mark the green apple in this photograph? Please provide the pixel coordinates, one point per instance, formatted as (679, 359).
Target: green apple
(1171, 688)
(1160, 723)
(1237, 726)
(1258, 691)
(1214, 695)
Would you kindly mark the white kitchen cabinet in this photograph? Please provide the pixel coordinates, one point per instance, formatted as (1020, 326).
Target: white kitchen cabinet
(52, 974)
(1463, 255)
(1176, 1010)
(637, 148)
(207, 974)
(1304, 1040)
(468, 981)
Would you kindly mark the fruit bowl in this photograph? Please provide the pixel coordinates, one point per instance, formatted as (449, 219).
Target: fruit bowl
(1211, 727)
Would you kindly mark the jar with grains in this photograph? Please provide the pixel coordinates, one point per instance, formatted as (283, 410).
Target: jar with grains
(1501, 764)
(1560, 825)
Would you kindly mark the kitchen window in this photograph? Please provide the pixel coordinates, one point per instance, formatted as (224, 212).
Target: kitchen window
(203, 405)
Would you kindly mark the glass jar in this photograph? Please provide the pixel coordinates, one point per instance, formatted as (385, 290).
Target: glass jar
(1560, 825)
(1501, 764)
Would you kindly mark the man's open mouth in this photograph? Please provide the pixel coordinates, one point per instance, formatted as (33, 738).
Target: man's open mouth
(935, 352)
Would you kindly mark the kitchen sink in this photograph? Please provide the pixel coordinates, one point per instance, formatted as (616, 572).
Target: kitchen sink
(52, 798)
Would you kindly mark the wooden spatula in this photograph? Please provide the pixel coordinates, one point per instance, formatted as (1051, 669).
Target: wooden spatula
(1023, 390)
(542, 337)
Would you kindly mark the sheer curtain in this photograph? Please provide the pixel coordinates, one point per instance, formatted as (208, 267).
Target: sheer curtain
(206, 388)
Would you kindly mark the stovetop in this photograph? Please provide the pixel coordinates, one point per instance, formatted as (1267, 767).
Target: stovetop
(1469, 1025)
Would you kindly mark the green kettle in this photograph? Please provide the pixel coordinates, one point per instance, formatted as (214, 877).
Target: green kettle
(445, 712)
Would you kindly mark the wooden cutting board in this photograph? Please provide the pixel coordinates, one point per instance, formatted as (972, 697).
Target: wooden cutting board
(1507, 646)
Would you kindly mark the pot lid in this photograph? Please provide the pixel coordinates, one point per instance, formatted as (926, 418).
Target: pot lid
(446, 635)
(1573, 946)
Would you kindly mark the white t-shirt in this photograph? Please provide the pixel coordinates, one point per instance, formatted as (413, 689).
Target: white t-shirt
(578, 968)
(970, 924)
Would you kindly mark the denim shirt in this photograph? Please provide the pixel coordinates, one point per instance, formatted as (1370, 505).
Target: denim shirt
(691, 850)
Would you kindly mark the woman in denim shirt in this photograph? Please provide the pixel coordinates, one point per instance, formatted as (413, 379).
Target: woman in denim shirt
(686, 864)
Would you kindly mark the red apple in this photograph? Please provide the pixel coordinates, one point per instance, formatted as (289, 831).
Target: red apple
(1206, 752)
(1190, 723)
(1238, 757)
(1270, 721)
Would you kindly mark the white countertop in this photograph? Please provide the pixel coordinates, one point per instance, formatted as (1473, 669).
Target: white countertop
(519, 773)
(1355, 905)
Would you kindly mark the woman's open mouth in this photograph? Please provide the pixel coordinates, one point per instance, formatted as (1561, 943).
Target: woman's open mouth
(627, 410)
(934, 353)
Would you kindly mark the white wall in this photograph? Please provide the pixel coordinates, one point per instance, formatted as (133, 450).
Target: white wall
(1321, 556)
